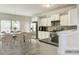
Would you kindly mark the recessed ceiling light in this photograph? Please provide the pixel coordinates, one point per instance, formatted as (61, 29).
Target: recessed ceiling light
(47, 5)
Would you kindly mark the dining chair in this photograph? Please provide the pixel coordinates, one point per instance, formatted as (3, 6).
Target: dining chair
(19, 43)
(7, 39)
(34, 44)
(27, 41)
(3, 32)
(29, 37)
(7, 43)
(18, 39)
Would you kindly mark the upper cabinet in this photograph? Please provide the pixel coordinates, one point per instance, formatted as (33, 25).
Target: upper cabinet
(69, 19)
(55, 17)
(72, 15)
(44, 22)
(47, 21)
(64, 21)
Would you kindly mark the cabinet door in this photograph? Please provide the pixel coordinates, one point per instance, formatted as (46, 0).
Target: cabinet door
(48, 22)
(43, 35)
(40, 35)
(69, 19)
(64, 21)
(43, 22)
(55, 17)
(72, 14)
(47, 34)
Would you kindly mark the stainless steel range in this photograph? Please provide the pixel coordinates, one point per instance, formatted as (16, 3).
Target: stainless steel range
(54, 37)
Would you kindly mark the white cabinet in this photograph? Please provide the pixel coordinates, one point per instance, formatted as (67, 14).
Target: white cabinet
(69, 40)
(42, 22)
(39, 34)
(48, 22)
(69, 19)
(55, 17)
(72, 14)
(46, 34)
(43, 35)
(45, 22)
(64, 21)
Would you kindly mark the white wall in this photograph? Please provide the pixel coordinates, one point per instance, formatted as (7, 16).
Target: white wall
(34, 18)
(25, 25)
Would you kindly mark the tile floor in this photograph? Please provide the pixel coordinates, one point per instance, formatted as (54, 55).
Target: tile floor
(37, 48)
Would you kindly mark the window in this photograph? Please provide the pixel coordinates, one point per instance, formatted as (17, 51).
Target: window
(10, 25)
(5, 25)
(15, 25)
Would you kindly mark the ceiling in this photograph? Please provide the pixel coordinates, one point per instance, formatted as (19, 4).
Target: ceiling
(29, 9)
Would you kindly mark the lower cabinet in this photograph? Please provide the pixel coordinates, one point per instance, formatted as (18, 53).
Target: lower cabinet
(43, 35)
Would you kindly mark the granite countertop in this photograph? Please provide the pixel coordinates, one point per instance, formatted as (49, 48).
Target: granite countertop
(60, 28)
